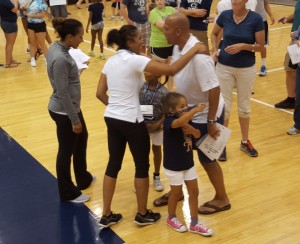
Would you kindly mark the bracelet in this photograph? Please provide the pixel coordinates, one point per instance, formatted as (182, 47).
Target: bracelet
(211, 121)
(252, 48)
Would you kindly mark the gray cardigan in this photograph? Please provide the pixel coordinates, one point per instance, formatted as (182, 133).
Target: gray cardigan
(64, 79)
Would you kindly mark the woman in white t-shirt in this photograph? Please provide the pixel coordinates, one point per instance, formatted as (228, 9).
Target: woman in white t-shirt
(122, 79)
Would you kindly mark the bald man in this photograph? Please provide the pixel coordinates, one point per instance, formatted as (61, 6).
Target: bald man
(197, 81)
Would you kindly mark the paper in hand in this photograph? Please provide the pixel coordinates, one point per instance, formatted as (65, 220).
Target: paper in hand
(79, 57)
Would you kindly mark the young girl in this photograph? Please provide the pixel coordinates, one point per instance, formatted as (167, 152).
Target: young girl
(95, 16)
(178, 160)
(152, 94)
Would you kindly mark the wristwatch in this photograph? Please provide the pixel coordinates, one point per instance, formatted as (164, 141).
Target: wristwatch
(211, 121)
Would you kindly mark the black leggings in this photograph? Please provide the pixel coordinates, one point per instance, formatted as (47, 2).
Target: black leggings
(71, 144)
(120, 132)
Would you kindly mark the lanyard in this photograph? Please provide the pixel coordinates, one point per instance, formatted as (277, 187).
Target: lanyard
(154, 93)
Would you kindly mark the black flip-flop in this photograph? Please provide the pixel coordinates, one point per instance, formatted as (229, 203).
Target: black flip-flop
(163, 200)
(216, 209)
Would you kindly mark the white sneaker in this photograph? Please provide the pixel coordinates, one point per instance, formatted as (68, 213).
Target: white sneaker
(32, 62)
(101, 56)
(158, 186)
(82, 198)
(91, 53)
(293, 131)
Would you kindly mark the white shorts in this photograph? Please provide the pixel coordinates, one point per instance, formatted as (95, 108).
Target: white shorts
(99, 25)
(157, 138)
(177, 178)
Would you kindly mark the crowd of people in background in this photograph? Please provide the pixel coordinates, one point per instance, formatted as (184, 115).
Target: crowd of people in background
(168, 40)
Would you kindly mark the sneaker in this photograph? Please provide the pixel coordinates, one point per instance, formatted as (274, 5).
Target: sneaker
(263, 71)
(223, 156)
(102, 57)
(82, 198)
(112, 18)
(32, 62)
(286, 103)
(91, 53)
(148, 218)
(176, 225)
(121, 18)
(201, 229)
(158, 186)
(249, 149)
(112, 219)
(293, 131)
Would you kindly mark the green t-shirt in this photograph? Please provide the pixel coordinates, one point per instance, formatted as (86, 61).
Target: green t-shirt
(296, 21)
(157, 37)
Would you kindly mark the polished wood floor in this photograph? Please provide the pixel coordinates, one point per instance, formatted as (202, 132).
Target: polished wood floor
(264, 191)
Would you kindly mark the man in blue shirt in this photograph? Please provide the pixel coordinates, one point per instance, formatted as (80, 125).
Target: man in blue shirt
(197, 12)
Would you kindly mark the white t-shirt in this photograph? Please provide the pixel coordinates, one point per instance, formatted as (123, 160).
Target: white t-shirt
(260, 9)
(226, 4)
(24, 3)
(124, 73)
(196, 79)
(57, 2)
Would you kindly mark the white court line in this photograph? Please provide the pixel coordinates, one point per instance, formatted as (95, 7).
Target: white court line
(268, 105)
(86, 41)
(279, 28)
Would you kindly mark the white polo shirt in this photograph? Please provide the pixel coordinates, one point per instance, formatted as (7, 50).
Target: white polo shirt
(124, 73)
(57, 2)
(196, 79)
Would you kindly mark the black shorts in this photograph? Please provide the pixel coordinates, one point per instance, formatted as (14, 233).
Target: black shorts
(266, 32)
(37, 27)
(116, 5)
(162, 52)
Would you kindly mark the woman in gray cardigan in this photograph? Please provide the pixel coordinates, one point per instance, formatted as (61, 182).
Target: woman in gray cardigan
(64, 109)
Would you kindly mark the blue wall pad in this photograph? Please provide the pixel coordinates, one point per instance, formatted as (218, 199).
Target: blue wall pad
(30, 209)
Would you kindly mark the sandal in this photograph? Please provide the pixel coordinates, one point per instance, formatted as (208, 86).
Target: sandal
(15, 62)
(38, 53)
(163, 200)
(11, 65)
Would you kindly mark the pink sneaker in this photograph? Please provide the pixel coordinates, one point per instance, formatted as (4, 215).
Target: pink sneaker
(201, 229)
(176, 225)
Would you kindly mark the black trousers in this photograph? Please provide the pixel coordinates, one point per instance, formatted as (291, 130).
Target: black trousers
(119, 133)
(71, 144)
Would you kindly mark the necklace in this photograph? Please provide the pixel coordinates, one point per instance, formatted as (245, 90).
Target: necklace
(238, 20)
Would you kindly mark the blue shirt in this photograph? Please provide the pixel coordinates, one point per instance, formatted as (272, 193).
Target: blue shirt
(36, 7)
(136, 10)
(176, 156)
(243, 32)
(296, 21)
(196, 23)
(5, 11)
(97, 10)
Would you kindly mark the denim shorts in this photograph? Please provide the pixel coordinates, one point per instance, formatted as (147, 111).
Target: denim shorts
(98, 26)
(9, 27)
